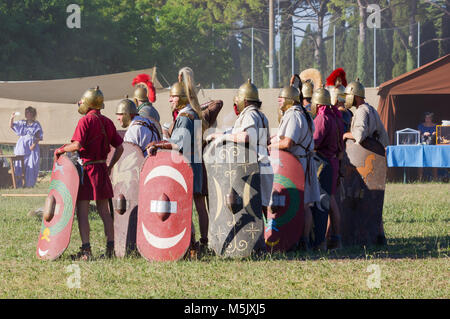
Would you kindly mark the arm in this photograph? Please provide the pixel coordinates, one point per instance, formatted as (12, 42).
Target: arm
(241, 137)
(72, 147)
(37, 138)
(284, 143)
(153, 147)
(358, 131)
(11, 120)
(116, 155)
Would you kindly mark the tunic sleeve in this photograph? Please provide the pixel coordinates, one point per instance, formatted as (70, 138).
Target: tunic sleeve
(289, 128)
(80, 133)
(182, 128)
(39, 133)
(360, 125)
(18, 128)
(116, 140)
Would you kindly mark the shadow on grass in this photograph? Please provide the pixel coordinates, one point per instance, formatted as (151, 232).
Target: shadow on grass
(397, 248)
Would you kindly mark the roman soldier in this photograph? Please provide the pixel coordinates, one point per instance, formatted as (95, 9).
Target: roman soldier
(366, 121)
(141, 131)
(337, 79)
(144, 96)
(295, 135)
(310, 78)
(366, 125)
(329, 147)
(252, 125)
(184, 103)
(92, 139)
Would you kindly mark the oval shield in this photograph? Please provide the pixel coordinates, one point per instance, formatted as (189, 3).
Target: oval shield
(285, 215)
(362, 192)
(54, 236)
(235, 215)
(125, 182)
(165, 207)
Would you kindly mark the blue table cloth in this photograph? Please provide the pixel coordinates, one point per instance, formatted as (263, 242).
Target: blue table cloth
(418, 156)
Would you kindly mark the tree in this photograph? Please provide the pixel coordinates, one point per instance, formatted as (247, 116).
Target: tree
(306, 50)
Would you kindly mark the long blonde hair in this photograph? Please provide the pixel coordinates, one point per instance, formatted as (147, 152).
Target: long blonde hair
(186, 76)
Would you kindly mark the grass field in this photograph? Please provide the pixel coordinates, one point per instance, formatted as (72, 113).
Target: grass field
(415, 264)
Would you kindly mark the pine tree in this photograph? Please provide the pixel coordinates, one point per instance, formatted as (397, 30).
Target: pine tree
(306, 50)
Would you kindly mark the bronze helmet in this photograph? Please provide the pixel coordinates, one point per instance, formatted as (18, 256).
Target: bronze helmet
(140, 94)
(353, 89)
(307, 89)
(247, 92)
(321, 96)
(177, 89)
(127, 108)
(91, 99)
(291, 96)
(337, 94)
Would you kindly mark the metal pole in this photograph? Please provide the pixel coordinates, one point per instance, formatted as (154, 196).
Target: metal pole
(271, 46)
(279, 41)
(252, 57)
(418, 45)
(334, 47)
(374, 57)
(293, 50)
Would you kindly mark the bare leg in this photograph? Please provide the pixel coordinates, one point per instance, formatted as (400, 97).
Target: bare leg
(83, 220)
(103, 211)
(200, 204)
(335, 217)
(308, 222)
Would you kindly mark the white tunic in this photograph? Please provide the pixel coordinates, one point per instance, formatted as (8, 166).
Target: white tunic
(140, 134)
(366, 122)
(255, 123)
(294, 125)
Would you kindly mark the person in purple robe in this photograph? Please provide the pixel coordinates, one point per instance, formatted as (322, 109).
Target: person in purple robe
(30, 133)
(328, 144)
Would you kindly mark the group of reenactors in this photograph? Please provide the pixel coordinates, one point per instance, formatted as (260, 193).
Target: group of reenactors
(314, 123)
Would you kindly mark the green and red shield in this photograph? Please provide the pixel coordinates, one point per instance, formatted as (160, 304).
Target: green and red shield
(165, 207)
(54, 236)
(285, 214)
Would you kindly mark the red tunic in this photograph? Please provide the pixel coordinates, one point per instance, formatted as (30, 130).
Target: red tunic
(96, 182)
(328, 139)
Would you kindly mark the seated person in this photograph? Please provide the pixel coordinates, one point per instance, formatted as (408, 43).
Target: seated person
(428, 130)
(428, 136)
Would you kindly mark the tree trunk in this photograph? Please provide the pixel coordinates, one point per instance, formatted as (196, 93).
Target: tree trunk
(362, 55)
(412, 37)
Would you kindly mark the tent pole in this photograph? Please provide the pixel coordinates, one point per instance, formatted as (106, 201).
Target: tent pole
(252, 58)
(334, 47)
(374, 57)
(418, 44)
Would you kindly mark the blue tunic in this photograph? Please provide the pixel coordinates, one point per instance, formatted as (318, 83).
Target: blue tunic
(28, 134)
(189, 142)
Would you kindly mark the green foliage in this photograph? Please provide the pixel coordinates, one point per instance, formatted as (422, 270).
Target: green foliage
(211, 36)
(306, 51)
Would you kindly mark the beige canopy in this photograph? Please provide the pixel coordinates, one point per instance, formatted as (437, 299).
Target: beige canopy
(68, 91)
(59, 120)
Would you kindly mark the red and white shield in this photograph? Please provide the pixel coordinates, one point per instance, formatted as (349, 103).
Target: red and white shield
(165, 207)
(56, 228)
(285, 217)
